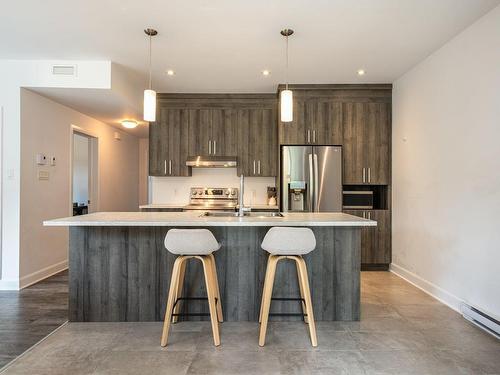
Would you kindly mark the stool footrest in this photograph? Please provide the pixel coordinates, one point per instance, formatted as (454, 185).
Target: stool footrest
(192, 298)
(287, 314)
(287, 299)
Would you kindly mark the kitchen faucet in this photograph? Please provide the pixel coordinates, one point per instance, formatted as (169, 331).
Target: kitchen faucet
(241, 207)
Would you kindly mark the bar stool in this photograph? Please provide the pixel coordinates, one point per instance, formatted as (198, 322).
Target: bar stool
(287, 243)
(187, 244)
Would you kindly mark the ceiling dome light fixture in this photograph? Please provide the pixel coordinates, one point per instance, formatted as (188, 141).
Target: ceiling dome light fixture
(150, 94)
(286, 96)
(361, 72)
(129, 124)
(170, 72)
(266, 72)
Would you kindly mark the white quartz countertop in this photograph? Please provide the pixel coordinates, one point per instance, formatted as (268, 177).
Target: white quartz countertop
(193, 219)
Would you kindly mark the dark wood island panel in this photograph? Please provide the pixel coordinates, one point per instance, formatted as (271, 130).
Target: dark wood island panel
(123, 274)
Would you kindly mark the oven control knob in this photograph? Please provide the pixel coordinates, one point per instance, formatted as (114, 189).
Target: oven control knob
(227, 192)
(195, 192)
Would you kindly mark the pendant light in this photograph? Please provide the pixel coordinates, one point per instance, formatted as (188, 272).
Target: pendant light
(150, 94)
(286, 96)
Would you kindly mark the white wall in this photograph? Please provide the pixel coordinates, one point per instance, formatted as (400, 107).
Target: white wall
(46, 128)
(173, 190)
(446, 169)
(15, 74)
(80, 169)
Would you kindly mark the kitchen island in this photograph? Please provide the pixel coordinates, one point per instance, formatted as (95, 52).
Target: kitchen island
(119, 269)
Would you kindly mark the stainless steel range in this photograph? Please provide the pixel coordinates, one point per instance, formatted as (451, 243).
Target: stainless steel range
(212, 199)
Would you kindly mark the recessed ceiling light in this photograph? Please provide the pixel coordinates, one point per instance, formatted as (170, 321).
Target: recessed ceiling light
(361, 72)
(266, 72)
(129, 124)
(170, 72)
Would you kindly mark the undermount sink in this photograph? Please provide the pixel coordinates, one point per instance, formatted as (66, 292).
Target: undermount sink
(246, 214)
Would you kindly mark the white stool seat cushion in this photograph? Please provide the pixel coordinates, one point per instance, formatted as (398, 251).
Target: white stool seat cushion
(289, 241)
(191, 242)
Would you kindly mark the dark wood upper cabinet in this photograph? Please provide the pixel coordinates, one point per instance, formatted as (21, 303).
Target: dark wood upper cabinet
(168, 143)
(366, 143)
(199, 134)
(257, 135)
(316, 121)
(242, 125)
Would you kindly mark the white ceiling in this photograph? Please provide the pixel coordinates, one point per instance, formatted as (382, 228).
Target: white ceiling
(223, 45)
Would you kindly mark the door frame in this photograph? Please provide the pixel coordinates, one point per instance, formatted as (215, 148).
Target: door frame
(93, 168)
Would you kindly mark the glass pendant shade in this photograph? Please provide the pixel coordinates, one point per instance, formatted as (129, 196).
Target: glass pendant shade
(286, 100)
(149, 105)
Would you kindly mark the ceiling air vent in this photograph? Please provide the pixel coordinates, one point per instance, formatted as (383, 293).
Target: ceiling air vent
(64, 70)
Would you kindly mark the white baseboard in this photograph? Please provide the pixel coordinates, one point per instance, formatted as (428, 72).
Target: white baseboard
(431, 289)
(39, 275)
(9, 284)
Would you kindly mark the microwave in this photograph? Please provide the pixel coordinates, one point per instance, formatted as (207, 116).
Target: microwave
(357, 200)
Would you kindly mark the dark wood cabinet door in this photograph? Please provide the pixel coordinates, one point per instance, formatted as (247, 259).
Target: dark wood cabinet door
(199, 131)
(377, 148)
(354, 142)
(375, 241)
(327, 129)
(158, 145)
(295, 132)
(376, 247)
(245, 165)
(262, 148)
(178, 142)
(257, 138)
(224, 134)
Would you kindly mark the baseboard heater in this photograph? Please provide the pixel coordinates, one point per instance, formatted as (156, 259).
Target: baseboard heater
(480, 319)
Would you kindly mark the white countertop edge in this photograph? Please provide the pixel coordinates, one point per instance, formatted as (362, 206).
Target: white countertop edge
(51, 223)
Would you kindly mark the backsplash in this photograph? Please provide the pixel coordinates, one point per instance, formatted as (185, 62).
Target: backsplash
(175, 190)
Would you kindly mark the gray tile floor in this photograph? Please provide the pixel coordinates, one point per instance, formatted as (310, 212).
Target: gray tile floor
(402, 331)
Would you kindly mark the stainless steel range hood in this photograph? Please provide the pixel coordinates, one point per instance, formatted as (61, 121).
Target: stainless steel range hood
(211, 161)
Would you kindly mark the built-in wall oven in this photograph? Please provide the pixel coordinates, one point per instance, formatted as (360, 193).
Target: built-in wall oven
(357, 200)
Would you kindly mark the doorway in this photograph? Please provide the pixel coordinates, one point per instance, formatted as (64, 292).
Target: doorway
(83, 173)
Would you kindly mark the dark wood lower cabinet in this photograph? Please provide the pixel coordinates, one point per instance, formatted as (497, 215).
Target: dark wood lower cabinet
(375, 241)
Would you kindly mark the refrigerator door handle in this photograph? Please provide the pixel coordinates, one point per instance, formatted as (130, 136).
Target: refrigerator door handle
(316, 183)
(311, 183)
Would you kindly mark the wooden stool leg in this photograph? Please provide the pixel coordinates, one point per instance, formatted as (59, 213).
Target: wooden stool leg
(268, 293)
(207, 268)
(171, 299)
(177, 308)
(304, 310)
(263, 289)
(307, 294)
(216, 287)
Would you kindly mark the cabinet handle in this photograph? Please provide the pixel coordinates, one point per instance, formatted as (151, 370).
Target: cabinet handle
(165, 167)
(254, 167)
(364, 215)
(210, 148)
(308, 136)
(364, 175)
(258, 167)
(170, 167)
(369, 215)
(314, 136)
(215, 147)
(369, 174)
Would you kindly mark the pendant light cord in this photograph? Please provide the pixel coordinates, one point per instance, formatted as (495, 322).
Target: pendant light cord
(150, 62)
(286, 70)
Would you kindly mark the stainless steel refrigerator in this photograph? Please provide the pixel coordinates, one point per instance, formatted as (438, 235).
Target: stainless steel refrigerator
(311, 178)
